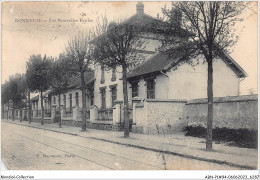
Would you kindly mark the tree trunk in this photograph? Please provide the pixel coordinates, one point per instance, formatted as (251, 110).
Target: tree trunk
(8, 111)
(3, 111)
(13, 112)
(60, 112)
(29, 108)
(126, 120)
(83, 113)
(42, 108)
(21, 115)
(210, 105)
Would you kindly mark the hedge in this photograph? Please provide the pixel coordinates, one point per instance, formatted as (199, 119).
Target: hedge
(239, 137)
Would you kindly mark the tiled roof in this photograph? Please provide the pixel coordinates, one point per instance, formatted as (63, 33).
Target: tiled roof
(155, 63)
(150, 24)
(75, 81)
(159, 62)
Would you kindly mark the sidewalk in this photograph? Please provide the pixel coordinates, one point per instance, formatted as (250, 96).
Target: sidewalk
(175, 144)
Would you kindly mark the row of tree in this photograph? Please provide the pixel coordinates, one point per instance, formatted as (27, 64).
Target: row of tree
(207, 28)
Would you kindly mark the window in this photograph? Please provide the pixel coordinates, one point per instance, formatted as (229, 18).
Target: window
(150, 89)
(54, 101)
(103, 98)
(45, 103)
(70, 98)
(113, 95)
(92, 98)
(64, 100)
(113, 74)
(102, 75)
(77, 99)
(134, 89)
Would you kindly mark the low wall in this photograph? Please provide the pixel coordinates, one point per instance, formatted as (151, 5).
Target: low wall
(38, 120)
(232, 112)
(157, 116)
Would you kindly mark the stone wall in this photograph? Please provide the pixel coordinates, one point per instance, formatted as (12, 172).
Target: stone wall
(233, 112)
(159, 116)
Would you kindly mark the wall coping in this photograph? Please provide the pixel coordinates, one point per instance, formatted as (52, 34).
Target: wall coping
(167, 100)
(102, 122)
(226, 99)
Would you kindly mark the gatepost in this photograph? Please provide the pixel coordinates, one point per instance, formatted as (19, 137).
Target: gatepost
(135, 101)
(75, 113)
(117, 112)
(93, 113)
(53, 113)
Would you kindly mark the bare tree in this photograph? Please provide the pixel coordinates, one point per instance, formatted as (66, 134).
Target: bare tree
(117, 46)
(208, 30)
(79, 52)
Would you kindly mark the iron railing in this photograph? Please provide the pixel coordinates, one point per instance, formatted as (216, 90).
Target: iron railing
(68, 112)
(47, 113)
(105, 115)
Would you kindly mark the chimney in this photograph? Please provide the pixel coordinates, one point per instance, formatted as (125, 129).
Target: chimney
(139, 8)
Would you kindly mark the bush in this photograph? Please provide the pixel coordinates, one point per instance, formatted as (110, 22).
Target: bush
(240, 137)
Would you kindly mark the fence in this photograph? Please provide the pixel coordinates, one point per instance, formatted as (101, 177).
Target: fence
(68, 112)
(47, 113)
(105, 115)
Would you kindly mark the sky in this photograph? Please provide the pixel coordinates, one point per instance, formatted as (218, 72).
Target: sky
(55, 22)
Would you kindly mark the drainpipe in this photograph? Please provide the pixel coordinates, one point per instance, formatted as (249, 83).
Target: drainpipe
(239, 81)
(168, 81)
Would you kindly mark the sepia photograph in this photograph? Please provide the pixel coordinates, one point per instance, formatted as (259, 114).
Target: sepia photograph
(129, 85)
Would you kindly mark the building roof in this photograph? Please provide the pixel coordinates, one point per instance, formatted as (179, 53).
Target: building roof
(148, 24)
(75, 81)
(153, 64)
(158, 62)
(161, 62)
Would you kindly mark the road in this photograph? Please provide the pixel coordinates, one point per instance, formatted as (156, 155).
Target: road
(26, 148)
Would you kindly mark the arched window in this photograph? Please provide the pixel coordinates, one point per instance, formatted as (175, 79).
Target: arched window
(77, 98)
(70, 98)
(54, 101)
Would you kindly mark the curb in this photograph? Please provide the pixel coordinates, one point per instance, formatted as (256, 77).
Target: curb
(150, 149)
(28, 125)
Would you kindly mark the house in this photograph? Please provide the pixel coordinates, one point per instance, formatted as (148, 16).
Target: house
(159, 89)
(161, 78)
